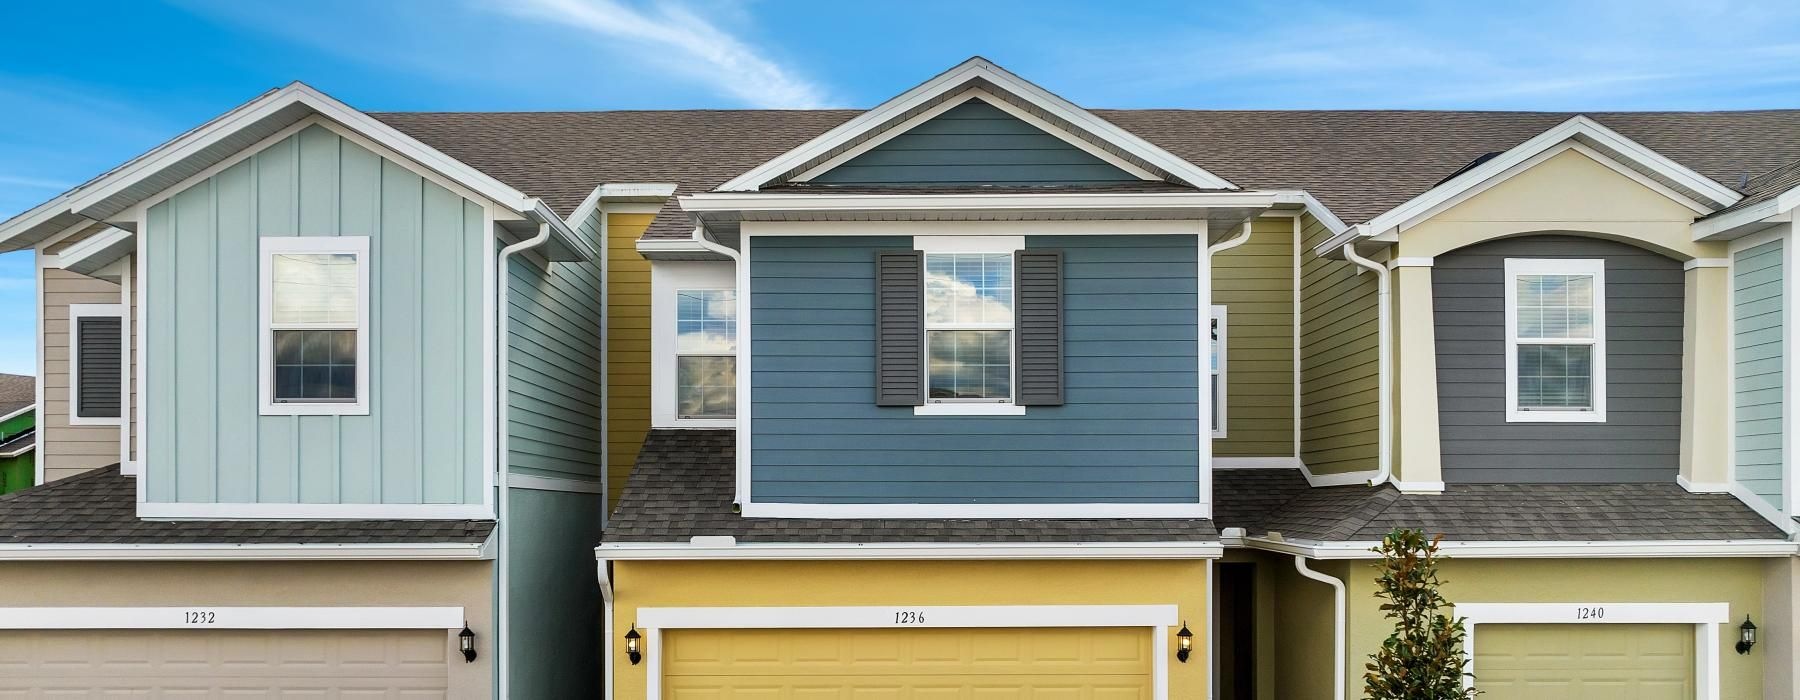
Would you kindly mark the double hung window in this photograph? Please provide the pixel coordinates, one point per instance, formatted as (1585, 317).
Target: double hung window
(315, 312)
(1556, 340)
(706, 353)
(969, 327)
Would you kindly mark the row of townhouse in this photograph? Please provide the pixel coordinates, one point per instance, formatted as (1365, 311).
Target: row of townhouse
(976, 393)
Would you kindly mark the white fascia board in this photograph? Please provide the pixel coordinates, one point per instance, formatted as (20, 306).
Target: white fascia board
(925, 93)
(30, 219)
(619, 192)
(1624, 549)
(682, 245)
(1580, 128)
(96, 251)
(709, 202)
(20, 451)
(616, 551)
(1749, 219)
(20, 412)
(241, 552)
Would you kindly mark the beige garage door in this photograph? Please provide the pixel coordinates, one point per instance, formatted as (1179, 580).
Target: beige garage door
(908, 664)
(1592, 662)
(223, 663)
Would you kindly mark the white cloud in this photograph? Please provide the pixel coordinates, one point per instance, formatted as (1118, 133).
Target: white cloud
(683, 42)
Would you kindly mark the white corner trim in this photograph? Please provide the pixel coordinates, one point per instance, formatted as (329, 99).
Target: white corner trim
(271, 246)
(241, 552)
(969, 409)
(1706, 262)
(76, 313)
(1155, 619)
(925, 94)
(1594, 268)
(976, 510)
(1705, 617)
(921, 551)
(551, 483)
(314, 511)
(231, 618)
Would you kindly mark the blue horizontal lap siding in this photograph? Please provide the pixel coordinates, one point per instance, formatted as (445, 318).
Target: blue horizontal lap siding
(974, 143)
(1128, 433)
(1758, 356)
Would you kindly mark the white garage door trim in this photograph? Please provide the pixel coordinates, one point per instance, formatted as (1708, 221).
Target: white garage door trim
(231, 618)
(1157, 618)
(1705, 617)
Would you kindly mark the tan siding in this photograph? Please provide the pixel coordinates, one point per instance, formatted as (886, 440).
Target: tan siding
(65, 449)
(1255, 282)
(1338, 361)
(627, 347)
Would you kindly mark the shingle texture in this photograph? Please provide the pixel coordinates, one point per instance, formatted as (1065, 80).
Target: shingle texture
(1358, 163)
(16, 391)
(100, 506)
(1766, 186)
(1488, 512)
(681, 487)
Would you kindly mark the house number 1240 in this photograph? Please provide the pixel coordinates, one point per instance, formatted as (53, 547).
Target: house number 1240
(909, 617)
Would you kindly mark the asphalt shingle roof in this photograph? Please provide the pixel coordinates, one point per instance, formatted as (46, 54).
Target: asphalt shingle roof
(1358, 163)
(1766, 186)
(1491, 512)
(681, 487)
(100, 506)
(16, 391)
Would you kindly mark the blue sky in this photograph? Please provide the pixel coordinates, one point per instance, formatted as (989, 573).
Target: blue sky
(118, 78)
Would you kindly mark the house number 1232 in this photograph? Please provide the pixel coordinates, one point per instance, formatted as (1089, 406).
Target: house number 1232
(909, 617)
(199, 617)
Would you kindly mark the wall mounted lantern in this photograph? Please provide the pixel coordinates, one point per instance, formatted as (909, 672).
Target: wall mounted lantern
(465, 641)
(1184, 643)
(632, 649)
(1746, 636)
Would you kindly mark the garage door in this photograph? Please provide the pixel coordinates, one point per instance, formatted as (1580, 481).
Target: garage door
(1600, 662)
(915, 664)
(223, 663)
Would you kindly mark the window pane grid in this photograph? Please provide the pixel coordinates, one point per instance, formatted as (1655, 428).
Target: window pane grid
(315, 366)
(1555, 341)
(969, 321)
(706, 386)
(969, 365)
(706, 347)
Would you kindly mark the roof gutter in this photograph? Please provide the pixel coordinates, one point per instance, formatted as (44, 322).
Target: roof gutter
(368, 551)
(727, 548)
(1573, 549)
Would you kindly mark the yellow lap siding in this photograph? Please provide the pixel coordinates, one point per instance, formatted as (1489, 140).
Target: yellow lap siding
(627, 346)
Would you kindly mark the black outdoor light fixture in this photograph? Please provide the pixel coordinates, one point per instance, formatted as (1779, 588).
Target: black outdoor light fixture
(1746, 636)
(465, 641)
(632, 651)
(1184, 643)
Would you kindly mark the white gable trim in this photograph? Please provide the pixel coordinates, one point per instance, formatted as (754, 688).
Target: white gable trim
(926, 94)
(1000, 104)
(1606, 146)
(1750, 219)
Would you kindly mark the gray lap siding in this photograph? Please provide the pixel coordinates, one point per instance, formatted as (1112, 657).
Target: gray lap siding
(1127, 434)
(1638, 442)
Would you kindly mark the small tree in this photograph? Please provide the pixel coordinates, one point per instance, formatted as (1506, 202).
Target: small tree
(1423, 659)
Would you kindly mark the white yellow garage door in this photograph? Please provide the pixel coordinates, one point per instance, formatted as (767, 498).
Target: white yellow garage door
(915, 664)
(1594, 662)
(223, 663)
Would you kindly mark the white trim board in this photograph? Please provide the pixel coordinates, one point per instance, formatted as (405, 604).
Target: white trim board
(1156, 619)
(315, 511)
(375, 551)
(1201, 509)
(1590, 549)
(206, 617)
(551, 483)
(975, 71)
(668, 278)
(725, 548)
(1705, 617)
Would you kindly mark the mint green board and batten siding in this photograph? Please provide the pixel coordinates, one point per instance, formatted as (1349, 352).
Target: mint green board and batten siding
(1760, 386)
(554, 362)
(421, 442)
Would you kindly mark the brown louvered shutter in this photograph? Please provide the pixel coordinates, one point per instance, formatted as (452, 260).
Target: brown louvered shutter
(899, 328)
(1038, 320)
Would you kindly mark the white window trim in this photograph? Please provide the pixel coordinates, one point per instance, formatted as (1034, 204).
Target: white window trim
(1156, 619)
(1219, 377)
(1515, 267)
(1705, 617)
(76, 313)
(667, 280)
(270, 246)
(232, 618)
(995, 245)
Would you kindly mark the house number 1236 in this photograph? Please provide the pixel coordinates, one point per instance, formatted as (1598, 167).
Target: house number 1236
(909, 617)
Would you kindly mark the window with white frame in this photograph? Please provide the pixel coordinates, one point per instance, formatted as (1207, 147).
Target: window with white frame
(315, 307)
(706, 353)
(96, 364)
(1556, 340)
(1218, 359)
(968, 327)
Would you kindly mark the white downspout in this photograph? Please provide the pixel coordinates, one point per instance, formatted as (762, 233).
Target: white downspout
(502, 503)
(737, 494)
(1338, 651)
(1232, 242)
(1384, 372)
(606, 612)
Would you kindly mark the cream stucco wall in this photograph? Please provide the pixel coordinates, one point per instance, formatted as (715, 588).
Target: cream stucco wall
(284, 584)
(1778, 625)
